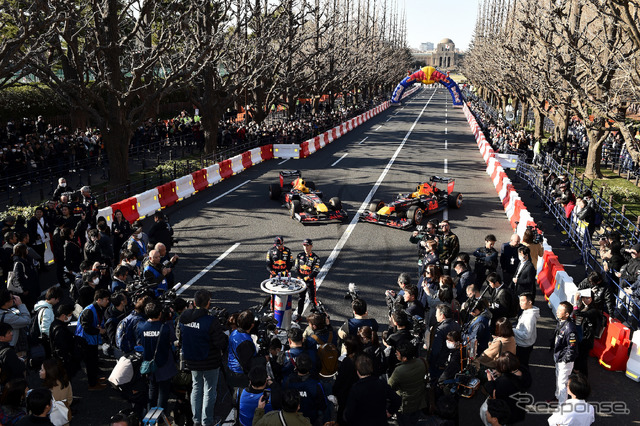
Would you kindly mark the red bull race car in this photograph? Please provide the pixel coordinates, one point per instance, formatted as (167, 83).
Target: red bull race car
(304, 201)
(410, 209)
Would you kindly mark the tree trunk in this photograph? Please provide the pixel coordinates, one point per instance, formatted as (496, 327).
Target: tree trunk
(538, 132)
(210, 122)
(525, 113)
(596, 136)
(561, 121)
(116, 142)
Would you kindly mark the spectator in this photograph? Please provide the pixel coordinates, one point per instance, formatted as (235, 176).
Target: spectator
(46, 315)
(371, 347)
(477, 332)
(497, 413)
(603, 298)
(611, 252)
(453, 364)
(450, 246)
(61, 340)
(346, 375)
(504, 341)
(565, 349)
(13, 401)
(535, 249)
(509, 259)
(121, 231)
(437, 350)
(119, 276)
(126, 330)
(87, 292)
(14, 313)
(525, 331)
(360, 319)
(289, 414)
(576, 410)
(136, 245)
(589, 317)
(464, 278)
(587, 214)
(371, 400)
(90, 329)
(313, 401)
(155, 337)
(72, 251)
(501, 300)
(486, 258)
(25, 275)
(507, 380)
(61, 189)
(414, 307)
(525, 277)
(249, 398)
(288, 357)
(408, 382)
(38, 405)
(203, 344)
(116, 312)
(12, 366)
(39, 228)
(161, 231)
(54, 378)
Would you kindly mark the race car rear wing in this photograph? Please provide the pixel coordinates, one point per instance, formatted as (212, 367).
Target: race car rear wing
(451, 182)
(288, 176)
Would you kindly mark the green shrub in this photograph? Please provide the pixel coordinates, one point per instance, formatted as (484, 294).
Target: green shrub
(622, 194)
(24, 211)
(30, 101)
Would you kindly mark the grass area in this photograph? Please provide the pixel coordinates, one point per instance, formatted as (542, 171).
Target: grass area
(624, 192)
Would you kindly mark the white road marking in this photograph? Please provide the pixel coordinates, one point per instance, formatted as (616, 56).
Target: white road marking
(446, 169)
(446, 144)
(347, 233)
(388, 119)
(284, 161)
(338, 160)
(446, 115)
(377, 128)
(445, 213)
(401, 108)
(445, 121)
(445, 130)
(229, 191)
(207, 269)
(360, 143)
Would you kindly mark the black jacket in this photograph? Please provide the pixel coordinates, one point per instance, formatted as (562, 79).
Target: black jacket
(565, 347)
(369, 401)
(12, 367)
(526, 279)
(72, 256)
(501, 304)
(161, 232)
(509, 260)
(603, 298)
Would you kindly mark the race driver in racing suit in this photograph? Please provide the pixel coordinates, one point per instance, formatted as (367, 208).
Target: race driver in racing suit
(278, 260)
(307, 267)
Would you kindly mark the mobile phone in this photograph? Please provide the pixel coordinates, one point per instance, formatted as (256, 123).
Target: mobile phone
(265, 395)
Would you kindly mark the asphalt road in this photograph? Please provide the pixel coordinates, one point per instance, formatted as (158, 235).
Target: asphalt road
(224, 238)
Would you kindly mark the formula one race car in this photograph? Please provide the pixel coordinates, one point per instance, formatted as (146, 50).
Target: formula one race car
(410, 209)
(304, 201)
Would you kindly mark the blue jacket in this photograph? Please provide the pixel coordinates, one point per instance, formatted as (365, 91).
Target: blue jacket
(565, 348)
(249, 399)
(90, 320)
(234, 360)
(203, 340)
(289, 360)
(479, 330)
(313, 401)
(126, 332)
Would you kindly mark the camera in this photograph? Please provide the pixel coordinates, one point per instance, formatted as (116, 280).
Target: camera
(352, 292)
(169, 264)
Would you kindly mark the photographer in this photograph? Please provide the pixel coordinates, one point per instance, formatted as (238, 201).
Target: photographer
(421, 237)
(155, 272)
(414, 307)
(119, 277)
(249, 398)
(126, 330)
(395, 301)
(241, 350)
(360, 319)
(168, 261)
(203, 343)
(288, 358)
(115, 313)
(486, 258)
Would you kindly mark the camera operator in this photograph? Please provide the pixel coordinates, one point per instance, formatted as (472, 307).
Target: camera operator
(126, 330)
(477, 334)
(296, 347)
(399, 331)
(128, 260)
(248, 399)
(167, 260)
(486, 258)
(242, 350)
(414, 307)
(203, 343)
(421, 237)
(115, 313)
(155, 272)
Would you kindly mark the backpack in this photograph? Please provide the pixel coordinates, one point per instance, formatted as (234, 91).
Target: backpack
(328, 355)
(125, 369)
(35, 335)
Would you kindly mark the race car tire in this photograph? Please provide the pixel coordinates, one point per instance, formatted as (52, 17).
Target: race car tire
(415, 215)
(319, 194)
(455, 200)
(311, 185)
(335, 203)
(294, 207)
(274, 191)
(375, 205)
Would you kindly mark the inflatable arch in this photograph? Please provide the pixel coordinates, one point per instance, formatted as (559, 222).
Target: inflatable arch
(428, 75)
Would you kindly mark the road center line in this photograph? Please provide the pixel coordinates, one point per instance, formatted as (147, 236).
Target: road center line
(347, 233)
(338, 160)
(446, 164)
(207, 269)
(360, 143)
(229, 191)
(283, 161)
(446, 144)
(445, 130)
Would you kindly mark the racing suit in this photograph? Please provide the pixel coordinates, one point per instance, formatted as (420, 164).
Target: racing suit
(307, 268)
(450, 250)
(278, 262)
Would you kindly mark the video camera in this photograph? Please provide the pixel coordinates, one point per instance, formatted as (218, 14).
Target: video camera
(352, 292)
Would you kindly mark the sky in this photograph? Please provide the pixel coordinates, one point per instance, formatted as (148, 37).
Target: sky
(433, 20)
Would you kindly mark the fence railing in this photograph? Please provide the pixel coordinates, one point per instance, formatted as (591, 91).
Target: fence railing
(627, 307)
